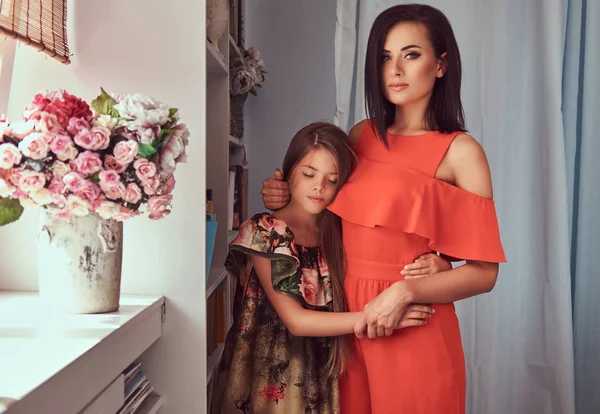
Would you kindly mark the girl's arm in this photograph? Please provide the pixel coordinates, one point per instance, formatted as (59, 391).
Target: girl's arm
(304, 322)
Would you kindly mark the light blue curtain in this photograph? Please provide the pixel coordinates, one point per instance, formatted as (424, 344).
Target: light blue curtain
(518, 339)
(581, 112)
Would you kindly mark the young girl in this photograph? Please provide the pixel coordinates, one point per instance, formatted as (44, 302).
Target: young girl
(422, 184)
(288, 287)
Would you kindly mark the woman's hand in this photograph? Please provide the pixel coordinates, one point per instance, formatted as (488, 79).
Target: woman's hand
(275, 192)
(384, 313)
(426, 265)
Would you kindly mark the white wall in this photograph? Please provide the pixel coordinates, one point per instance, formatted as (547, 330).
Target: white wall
(157, 48)
(296, 40)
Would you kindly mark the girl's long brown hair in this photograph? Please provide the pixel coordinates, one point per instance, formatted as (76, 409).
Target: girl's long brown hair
(331, 138)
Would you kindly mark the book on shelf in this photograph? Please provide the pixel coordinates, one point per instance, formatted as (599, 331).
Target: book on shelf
(136, 389)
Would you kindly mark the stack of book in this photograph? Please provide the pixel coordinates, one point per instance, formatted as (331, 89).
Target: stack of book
(137, 389)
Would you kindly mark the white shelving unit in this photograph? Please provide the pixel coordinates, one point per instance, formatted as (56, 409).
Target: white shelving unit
(222, 150)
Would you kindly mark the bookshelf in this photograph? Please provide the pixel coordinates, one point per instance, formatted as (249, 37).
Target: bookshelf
(225, 165)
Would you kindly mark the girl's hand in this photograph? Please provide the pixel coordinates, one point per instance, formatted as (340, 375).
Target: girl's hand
(415, 315)
(426, 265)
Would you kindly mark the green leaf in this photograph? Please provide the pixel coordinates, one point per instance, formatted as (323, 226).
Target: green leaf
(172, 112)
(104, 104)
(95, 177)
(10, 211)
(146, 150)
(164, 132)
(252, 91)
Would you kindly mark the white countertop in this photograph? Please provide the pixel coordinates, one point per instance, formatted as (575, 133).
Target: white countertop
(36, 344)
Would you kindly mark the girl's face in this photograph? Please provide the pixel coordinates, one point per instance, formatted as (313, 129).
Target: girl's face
(409, 67)
(314, 181)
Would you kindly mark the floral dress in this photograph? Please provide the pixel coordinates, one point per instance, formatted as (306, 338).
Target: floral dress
(265, 369)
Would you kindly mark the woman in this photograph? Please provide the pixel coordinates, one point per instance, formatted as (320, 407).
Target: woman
(422, 185)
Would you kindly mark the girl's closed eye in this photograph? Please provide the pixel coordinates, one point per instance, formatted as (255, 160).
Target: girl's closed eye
(308, 175)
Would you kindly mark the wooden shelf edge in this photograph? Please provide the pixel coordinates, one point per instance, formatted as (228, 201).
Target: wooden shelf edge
(234, 49)
(235, 142)
(151, 404)
(213, 360)
(215, 65)
(217, 276)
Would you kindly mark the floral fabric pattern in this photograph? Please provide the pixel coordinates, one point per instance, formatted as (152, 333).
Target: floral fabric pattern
(264, 368)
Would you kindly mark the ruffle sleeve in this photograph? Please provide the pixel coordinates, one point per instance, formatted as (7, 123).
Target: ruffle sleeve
(265, 235)
(456, 222)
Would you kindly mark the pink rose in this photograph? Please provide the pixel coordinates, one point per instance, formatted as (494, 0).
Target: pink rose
(133, 194)
(109, 176)
(100, 138)
(267, 222)
(157, 206)
(89, 191)
(88, 162)
(9, 156)
(61, 144)
(60, 169)
(144, 169)
(125, 151)
(61, 116)
(14, 175)
(108, 209)
(56, 185)
(168, 185)
(309, 286)
(31, 181)
(125, 214)
(74, 181)
(34, 146)
(110, 163)
(111, 184)
(46, 122)
(76, 125)
(151, 185)
(70, 154)
(84, 139)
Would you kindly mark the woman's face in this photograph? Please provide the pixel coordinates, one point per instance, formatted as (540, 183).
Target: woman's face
(409, 67)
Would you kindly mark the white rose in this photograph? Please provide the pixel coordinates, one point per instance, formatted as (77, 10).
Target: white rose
(77, 205)
(108, 210)
(42, 196)
(105, 121)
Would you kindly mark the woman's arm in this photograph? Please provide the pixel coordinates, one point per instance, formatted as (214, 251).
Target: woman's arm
(469, 170)
(304, 322)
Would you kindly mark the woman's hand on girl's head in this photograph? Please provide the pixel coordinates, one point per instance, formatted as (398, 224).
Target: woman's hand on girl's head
(275, 192)
(426, 265)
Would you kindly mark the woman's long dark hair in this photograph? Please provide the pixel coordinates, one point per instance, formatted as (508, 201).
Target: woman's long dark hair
(445, 111)
(330, 138)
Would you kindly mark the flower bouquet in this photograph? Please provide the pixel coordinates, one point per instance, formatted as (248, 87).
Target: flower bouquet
(89, 167)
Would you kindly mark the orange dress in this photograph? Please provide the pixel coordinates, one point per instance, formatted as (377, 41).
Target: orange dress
(393, 210)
